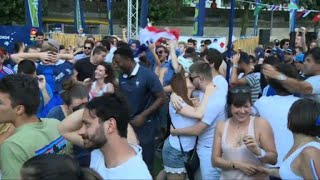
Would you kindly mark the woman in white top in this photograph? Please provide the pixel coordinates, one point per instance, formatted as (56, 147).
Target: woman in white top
(103, 80)
(172, 155)
(303, 159)
(243, 143)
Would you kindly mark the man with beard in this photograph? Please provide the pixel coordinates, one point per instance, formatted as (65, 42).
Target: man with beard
(102, 125)
(87, 48)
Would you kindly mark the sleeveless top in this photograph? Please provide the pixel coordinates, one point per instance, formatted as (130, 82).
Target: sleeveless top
(285, 170)
(93, 93)
(240, 153)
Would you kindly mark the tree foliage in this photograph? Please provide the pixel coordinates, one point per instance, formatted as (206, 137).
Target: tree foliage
(12, 12)
(306, 4)
(158, 10)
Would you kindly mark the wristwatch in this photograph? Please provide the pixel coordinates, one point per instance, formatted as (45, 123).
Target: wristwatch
(235, 66)
(282, 77)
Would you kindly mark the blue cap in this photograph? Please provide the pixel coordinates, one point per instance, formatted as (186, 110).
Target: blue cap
(299, 58)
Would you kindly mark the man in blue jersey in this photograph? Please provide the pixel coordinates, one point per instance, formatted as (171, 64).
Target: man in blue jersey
(145, 94)
(4, 71)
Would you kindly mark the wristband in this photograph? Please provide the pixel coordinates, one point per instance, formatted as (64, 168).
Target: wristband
(262, 154)
(235, 66)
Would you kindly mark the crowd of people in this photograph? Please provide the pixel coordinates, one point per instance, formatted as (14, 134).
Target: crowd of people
(102, 110)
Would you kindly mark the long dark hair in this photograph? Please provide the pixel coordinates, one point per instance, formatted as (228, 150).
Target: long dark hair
(179, 86)
(109, 71)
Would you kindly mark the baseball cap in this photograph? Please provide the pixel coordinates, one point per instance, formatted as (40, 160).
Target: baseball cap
(54, 43)
(299, 58)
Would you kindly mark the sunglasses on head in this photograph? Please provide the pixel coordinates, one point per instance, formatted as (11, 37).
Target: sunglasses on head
(239, 90)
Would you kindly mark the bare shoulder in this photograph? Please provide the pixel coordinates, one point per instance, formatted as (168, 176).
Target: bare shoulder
(220, 126)
(261, 122)
(311, 152)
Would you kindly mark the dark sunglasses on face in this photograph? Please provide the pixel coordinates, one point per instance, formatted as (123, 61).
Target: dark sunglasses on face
(87, 47)
(159, 52)
(192, 78)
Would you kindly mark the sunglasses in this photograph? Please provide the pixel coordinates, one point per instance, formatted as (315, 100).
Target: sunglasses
(87, 47)
(81, 106)
(192, 78)
(239, 90)
(159, 52)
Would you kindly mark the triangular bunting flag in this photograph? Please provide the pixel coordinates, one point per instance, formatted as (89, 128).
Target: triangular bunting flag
(301, 14)
(306, 14)
(293, 6)
(258, 8)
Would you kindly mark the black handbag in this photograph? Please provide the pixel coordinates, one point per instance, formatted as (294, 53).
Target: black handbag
(192, 163)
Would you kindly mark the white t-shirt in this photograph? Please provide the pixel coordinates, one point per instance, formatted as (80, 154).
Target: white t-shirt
(215, 111)
(109, 56)
(134, 168)
(315, 83)
(180, 121)
(275, 110)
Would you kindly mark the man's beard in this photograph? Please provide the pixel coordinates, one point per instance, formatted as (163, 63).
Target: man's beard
(97, 141)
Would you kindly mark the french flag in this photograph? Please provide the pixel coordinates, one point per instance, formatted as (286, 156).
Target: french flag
(153, 34)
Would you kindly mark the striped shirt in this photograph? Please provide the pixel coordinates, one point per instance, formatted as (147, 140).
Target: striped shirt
(5, 71)
(254, 84)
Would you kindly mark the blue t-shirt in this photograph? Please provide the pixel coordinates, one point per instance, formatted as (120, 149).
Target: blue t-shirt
(169, 75)
(140, 89)
(5, 71)
(56, 74)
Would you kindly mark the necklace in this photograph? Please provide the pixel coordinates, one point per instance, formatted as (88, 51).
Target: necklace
(239, 132)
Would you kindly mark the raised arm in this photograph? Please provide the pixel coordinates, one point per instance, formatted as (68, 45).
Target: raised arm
(303, 39)
(43, 56)
(124, 35)
(70, 125)
(174, 58)
(152, 49)
(234, 75)
(291, 84)
(68, 57)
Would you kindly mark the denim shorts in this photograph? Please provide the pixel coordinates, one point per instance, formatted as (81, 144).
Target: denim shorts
(173, 158)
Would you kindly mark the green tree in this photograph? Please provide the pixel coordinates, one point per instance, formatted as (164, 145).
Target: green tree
(12, 12)
(248, 13)
(158, 10)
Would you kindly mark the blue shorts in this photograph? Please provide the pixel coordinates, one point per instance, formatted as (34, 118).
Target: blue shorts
(173, 159)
